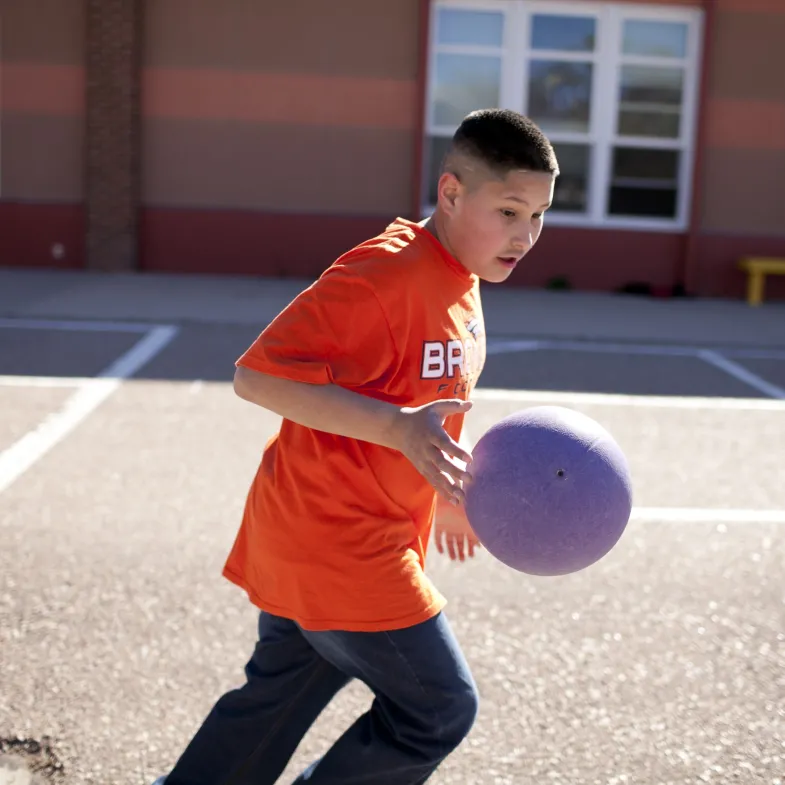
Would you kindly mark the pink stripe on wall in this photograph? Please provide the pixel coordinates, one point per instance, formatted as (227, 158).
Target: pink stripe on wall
(752, 6)
(56, 90)
(279, 98)
(746, 124)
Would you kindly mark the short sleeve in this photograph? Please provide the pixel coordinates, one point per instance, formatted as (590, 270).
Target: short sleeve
(335, 332)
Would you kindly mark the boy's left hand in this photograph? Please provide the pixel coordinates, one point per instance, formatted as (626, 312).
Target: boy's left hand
(452, 530)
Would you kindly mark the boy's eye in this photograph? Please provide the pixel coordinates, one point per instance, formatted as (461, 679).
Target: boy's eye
(508, 213)
(537, 216)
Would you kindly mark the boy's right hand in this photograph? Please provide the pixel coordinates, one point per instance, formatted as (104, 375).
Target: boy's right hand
(419, 434)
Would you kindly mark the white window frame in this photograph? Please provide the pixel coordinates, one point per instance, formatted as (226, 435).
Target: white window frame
(607, 59)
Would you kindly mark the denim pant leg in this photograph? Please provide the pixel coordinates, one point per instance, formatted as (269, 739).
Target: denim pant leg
(425, 704)
(252, 732)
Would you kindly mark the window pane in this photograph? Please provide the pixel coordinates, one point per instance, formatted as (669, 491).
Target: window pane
(655, 39)
(571, 193)
(565, 33)
(465, 83)
(644, 182)
(435, 150)
(560, 95)
(651, 99)
(478, 28)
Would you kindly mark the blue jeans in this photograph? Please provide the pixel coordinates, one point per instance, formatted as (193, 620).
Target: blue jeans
(425, 703)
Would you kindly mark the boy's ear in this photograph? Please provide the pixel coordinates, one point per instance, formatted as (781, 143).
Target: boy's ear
(449, 189)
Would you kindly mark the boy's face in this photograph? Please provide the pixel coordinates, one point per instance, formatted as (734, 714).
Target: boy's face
(490, 224)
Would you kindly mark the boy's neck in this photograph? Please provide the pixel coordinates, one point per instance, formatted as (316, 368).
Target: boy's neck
(432, 224)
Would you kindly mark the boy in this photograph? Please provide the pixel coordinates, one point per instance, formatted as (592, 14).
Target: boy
(371, 369)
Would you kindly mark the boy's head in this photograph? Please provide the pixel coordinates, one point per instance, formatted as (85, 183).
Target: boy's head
(496, 182)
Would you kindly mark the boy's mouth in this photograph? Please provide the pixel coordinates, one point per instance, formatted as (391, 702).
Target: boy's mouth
(509, 261)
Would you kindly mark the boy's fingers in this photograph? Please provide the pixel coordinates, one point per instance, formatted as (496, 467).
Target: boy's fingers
(442, 465)
(452, 448)
(445, 444)
(442, 462)
(458, 495)
(442, 485)
(452, 406)
(441, 439)
(451, 546)
(444, 490)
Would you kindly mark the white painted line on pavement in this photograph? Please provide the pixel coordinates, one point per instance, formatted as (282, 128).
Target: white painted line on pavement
(504, 346)
(754, 354)
(505, 396)
(44, 381)
(640, 401)
(742, 374)
(682, 514)
(21, 455)
(591, 347)
(716, 357)
(77, 326)
(706, 515)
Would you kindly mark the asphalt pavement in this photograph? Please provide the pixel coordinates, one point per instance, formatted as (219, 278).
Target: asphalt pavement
(126, 459)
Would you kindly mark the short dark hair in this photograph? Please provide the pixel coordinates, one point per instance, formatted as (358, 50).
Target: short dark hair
(504, 140)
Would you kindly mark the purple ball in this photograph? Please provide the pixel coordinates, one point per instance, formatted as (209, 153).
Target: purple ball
(550, 492)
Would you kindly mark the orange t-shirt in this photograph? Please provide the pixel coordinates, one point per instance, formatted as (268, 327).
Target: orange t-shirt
(335, 530)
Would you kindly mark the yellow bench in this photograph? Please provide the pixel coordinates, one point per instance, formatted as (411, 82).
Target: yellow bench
(757, 268)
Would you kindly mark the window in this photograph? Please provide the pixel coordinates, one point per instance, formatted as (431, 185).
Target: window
(613, 85)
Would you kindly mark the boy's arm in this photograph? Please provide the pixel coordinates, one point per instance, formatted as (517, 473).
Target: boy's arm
(323, 407)
(415, 432)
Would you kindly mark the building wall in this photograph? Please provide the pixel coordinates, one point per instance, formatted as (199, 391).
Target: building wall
(41, 132)
(743, 182)
(275, 135)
